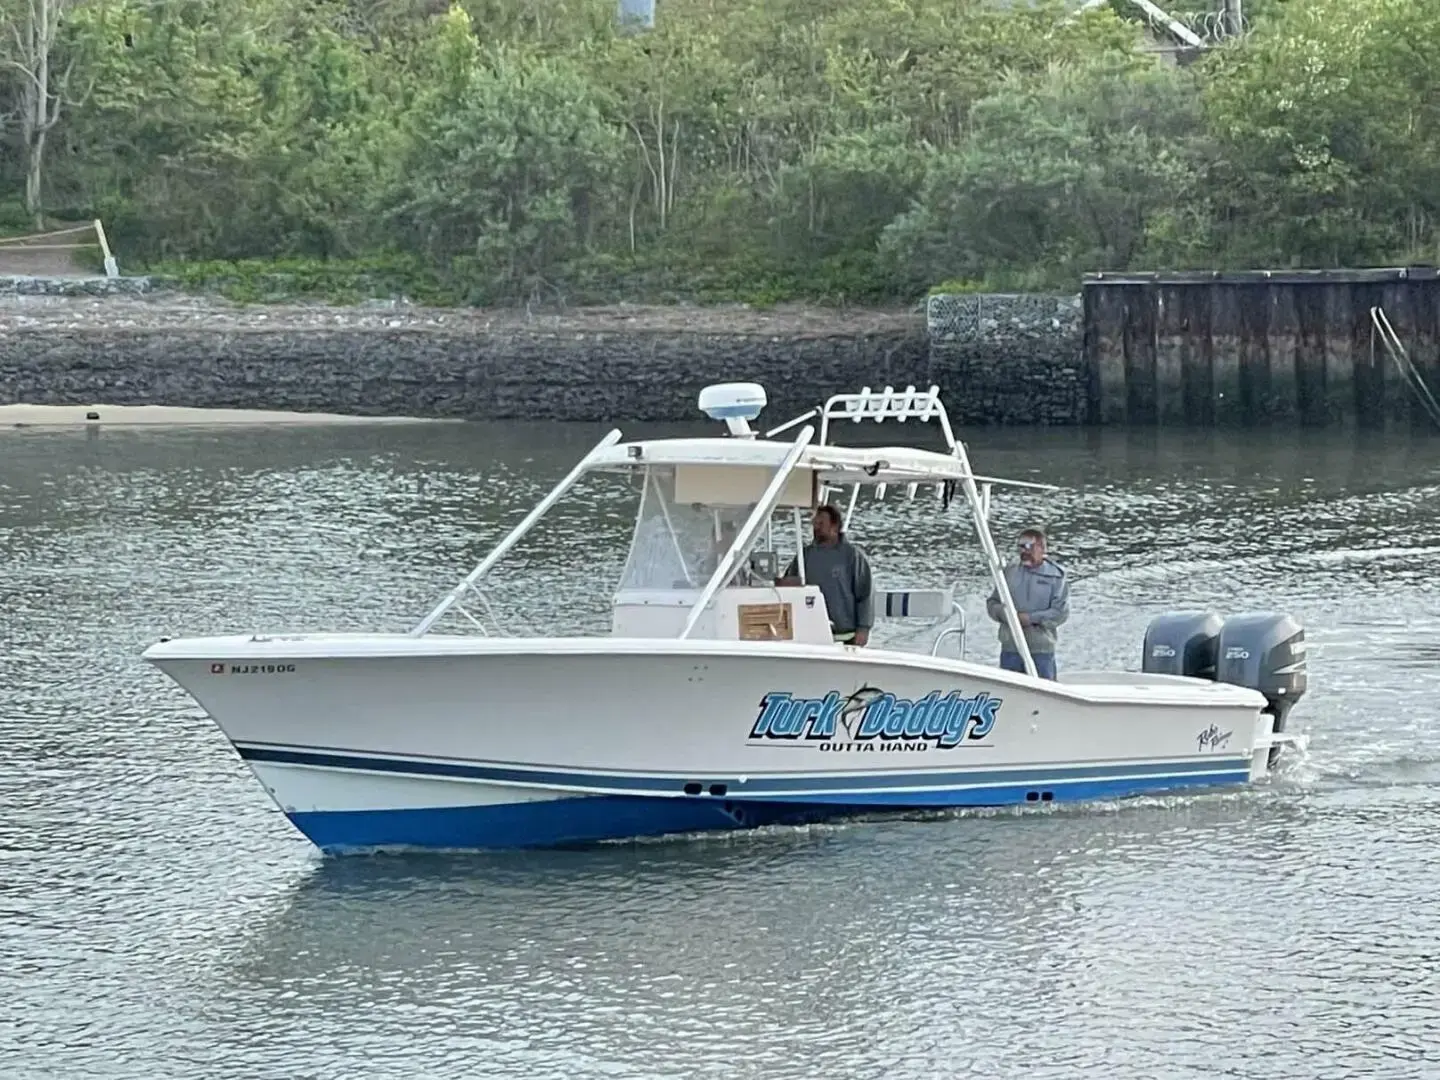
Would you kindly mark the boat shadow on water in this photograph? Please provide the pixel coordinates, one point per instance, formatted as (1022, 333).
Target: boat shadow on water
(489, 916)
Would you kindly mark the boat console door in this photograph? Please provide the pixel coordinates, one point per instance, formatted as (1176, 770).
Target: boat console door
(794, 613)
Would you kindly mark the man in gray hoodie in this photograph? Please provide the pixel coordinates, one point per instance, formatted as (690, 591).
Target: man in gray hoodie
(842, 572)
(1041, 594)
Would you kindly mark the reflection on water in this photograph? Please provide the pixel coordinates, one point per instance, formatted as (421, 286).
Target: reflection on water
(159, 918)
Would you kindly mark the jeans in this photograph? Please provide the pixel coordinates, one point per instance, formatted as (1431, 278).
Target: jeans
(1044, 663)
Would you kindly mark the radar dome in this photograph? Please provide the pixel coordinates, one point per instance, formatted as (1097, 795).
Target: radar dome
(732, 401)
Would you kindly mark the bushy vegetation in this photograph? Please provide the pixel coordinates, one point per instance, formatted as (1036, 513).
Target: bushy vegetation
(841, 151)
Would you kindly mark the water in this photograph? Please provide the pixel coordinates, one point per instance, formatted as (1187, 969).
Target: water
(159, 919)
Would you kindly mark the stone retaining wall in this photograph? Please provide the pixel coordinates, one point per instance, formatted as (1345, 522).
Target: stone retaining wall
(1252, 349)
(1010, 360)
(89, 285)
(598, 377)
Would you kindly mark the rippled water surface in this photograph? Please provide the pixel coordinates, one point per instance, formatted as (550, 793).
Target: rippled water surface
(159, 919)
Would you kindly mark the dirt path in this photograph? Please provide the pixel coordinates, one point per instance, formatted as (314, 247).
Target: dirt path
(40, 255)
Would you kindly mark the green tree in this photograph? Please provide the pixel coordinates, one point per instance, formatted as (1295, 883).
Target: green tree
(743, 149)
(215, 130)
(514, 173)
(1329, 117)
(1065, 173)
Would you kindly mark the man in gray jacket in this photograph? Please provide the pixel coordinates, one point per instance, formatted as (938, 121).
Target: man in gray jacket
(842, 572)
(1041, 594)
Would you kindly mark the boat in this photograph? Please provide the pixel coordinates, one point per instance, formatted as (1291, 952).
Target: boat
(720, 699)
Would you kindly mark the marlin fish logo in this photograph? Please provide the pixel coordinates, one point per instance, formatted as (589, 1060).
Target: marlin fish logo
(854, 708)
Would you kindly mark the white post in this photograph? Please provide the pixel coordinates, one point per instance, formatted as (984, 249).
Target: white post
(761, 514)
(516, 534)
(112, 269)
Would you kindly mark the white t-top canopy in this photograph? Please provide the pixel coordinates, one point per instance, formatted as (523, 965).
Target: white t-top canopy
(762, 474)
(834, 464)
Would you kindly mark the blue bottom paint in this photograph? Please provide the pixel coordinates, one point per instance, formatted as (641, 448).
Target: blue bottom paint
(583, 820)
(1044, 663)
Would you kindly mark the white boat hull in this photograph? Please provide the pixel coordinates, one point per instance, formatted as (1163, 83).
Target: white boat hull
(371, 741)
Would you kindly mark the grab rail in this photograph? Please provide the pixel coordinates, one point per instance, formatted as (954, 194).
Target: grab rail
(952, 631)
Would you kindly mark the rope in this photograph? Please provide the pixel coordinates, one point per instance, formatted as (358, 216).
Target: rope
(43, 235)
(51, 247)
(1408, 370)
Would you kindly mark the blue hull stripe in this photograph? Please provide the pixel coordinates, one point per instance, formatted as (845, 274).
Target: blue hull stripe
(574, 821)
(1217, 769)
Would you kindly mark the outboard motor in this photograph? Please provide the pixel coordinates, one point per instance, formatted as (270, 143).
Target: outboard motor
(1266, 652)
(1182, 643)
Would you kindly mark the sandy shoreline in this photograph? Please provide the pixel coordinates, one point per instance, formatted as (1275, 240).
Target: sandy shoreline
(53, 416)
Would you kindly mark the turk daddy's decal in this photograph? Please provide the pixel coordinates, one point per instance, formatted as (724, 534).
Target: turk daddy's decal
(872, 719)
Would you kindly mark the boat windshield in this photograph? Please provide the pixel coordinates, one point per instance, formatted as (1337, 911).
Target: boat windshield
(677, 545)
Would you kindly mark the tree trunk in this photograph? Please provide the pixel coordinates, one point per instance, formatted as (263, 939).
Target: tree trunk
(34, 175)
(40, 98)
